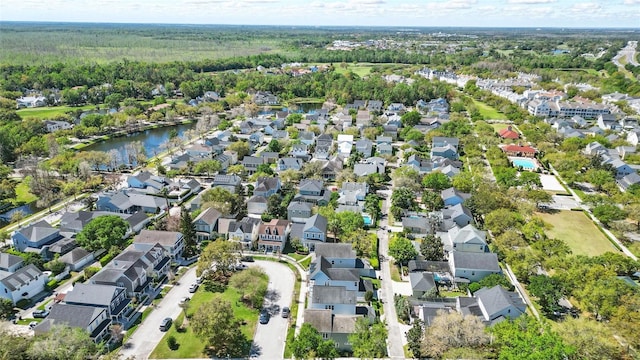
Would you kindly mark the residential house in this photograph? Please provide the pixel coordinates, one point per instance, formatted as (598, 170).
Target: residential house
(53, 126)
(265, 98)
(341, 256)
(509, 133)
(519, 150)
(363, 119)
(300, 151)
(353, 192)
(291, 163)
(345, 144)
(374, 105)
(324, 274)
(251, 164)
(423, 284)
(594, 148)
(24, 283)
(270, 157)
(396, 108)
(322, 152)
(473, 266)
(280, 134)
(257, 205)
(272, 236)
(61, 247)
(244, 231)
(10, 263)
(196, 151)
(420, 164)
(206, 224)
(113, 299)
(384, 149)
(466, 239)
(147, 182)
(331, 168)
(299, 211)
(633, 137)
(390, 130)
(313, 191)
(35, 237)
(335, 298)
(171, 241)
(314, 231)
(447, 151)
(335, 327)
(77, 259)
(420, 225)
(451, 196)
(307, 137)
(458, 214)
(93, 320)
(129, 202)
(495, 304)
(608, 122)
(324, 140)
(227, 182)
(628, 180)
(441, 141)
(364, 147)
(364, 169)
(621, 168)
(267, 186)
(134, 269)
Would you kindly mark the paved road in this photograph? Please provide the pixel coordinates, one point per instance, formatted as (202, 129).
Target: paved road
(148, 335)
(394, 339)
(269, 339)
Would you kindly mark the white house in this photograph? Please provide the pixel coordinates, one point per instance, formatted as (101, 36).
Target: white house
(22, 284)
(345, 144)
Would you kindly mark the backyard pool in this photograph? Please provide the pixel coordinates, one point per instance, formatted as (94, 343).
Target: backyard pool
(526, 164)
(367, 219)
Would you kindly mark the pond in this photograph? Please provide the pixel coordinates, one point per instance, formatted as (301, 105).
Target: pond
(152, 141)
(26, 210)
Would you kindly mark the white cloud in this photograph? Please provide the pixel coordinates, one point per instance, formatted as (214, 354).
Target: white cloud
(631, 2)
(587, 6)
(529, 2)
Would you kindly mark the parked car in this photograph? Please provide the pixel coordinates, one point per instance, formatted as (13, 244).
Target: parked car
(193, 288)
(199, 280)
(285, 312)
(165, 325)
(241, 267)
(185, 300)
(247, 259)
(40, 314)
(264, 317)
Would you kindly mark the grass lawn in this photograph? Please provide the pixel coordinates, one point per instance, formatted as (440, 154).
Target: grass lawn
(395, 273)
(190, 345)
(635, 248)
(360, 69)
(572, 226)
(49, 112)
(27, 321)
(488, 112)
(23, 193)
(498, 127)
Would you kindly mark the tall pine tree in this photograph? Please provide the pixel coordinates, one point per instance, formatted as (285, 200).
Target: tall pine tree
(188, 229)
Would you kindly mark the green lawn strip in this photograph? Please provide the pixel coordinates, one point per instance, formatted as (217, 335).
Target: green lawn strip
(395, 273)
(43, 306)
(572, 226)
(499, 127)
(50, 112)
(189, 345)
(489, 112)
(634, 248)
(23, 193)
(305, 263)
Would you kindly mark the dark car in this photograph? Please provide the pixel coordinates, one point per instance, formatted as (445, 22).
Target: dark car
(247, 259)
(39, 314)
(285, 312)
(264, 317)
(165, 325)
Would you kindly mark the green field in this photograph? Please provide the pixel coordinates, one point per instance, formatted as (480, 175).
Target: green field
(50, 112)
(190, 345)
(360, 69)
(23, 193)
(499, 127)
(488, 112)
(579, 232)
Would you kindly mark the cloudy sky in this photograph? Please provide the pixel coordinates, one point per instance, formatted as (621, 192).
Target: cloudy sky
(491, 13)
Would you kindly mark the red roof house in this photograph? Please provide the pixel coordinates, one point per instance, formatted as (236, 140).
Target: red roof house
(518, 150)
(508, 133)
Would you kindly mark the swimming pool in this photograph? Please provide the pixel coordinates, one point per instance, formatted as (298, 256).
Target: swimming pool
(367, 219)
(527, 164)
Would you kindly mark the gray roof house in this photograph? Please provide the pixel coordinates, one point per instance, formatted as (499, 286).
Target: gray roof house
(257, 205)
(422, 283)
(24, 283)
(112, 298)
(628, 180)
(171, 241)
(93, 320)
(459, 214)
(77, 258)
(451, 196)
(314, 231)
(313, 191)
(35, 236)
(331, 326)
(472, 267)
(337, 298)
(290, 163)
(9, 262)
(493, 305)
(364, 147)
(299, 211)
(266, 186)
(467, 239)
(227, 182)
(206, 223)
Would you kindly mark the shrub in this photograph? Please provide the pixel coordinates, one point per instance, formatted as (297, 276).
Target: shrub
(214, 286)
(105, 259)
(172, 343)
(52, 284)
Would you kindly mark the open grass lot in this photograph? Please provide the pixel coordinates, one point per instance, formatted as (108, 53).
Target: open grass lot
(488, 112)
(50, 112)
(635, 248)
(499, 127)
(190, 345)
(23, 193)
(579, 232)
(360, 69)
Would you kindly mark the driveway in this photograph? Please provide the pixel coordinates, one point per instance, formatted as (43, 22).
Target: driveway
(148, 335)
(269, 339)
